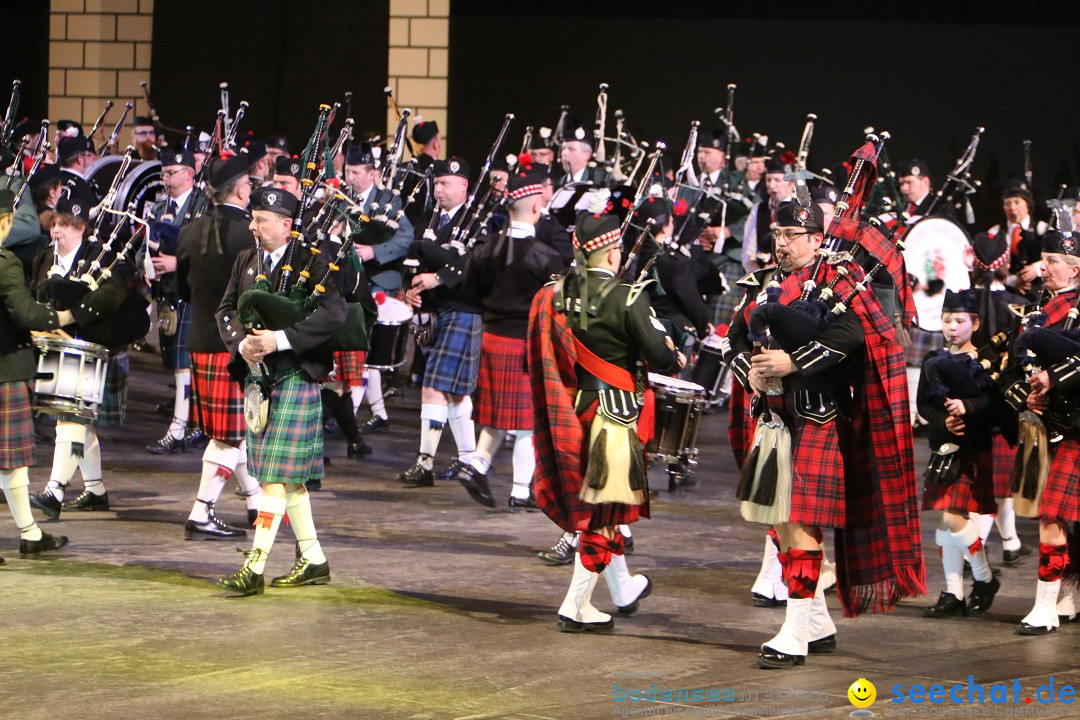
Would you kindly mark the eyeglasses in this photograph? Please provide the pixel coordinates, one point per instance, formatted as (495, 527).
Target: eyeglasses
(143, 132)
(787, 237)
(171, 172)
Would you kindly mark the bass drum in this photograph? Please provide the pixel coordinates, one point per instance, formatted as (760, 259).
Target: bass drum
(100, 175)
(141, 189)
(936, 249)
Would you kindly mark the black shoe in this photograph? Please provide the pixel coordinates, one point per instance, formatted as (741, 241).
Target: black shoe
(451, 470)
(477, 486)
(762, 601)
(769, 658)
(561, 553)
(375, 424)
(528, 504)
(47, 542)
(982, 596)
(358, 449)
(826, 644)
(314, 485)
(213, 529)
(1025, 629)
(946, 606)
(1012, 557)
(417, 476)
(88, 502)
(632, 607)
(304, 573)
(628, 545)
(196, 440)
(565, 624)
(46, 503)
(1, 561)
(253, 515)
(245, 581)
(166, 445)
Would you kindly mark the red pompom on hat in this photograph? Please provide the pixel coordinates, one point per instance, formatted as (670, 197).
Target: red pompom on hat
(380, 297)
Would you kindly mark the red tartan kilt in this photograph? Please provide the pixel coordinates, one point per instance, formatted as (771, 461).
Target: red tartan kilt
(217, 400)
(741, 424)
(503, 397)
(1061, 497)
(1004, 456)
(973, 491)
(817, 482)
(349, 367)
(607, 514)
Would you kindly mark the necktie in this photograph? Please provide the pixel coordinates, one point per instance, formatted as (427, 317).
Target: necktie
(443, 220)
(1014, 239)
(173, 208)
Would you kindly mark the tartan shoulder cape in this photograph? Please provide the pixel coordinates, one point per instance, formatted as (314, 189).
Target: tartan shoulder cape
(879, 550)
(557, 432)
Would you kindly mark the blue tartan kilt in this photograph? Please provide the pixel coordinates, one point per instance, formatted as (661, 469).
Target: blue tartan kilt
(722, 307)
(174, 352)
(290, 449)
(922, 343)
(453, 363)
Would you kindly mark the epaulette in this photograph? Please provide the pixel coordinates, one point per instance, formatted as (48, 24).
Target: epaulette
(753, 280)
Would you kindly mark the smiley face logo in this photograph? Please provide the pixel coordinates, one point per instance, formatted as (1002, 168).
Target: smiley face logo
(862, 693)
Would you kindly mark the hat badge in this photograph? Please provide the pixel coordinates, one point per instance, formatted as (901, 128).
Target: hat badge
(76, 209)
(915, 171)
(831, 194)
(579, 133)
(271, 198)
(802, 215)
(294, 168)
(454, 166)
(1067, 244)
(178, 159)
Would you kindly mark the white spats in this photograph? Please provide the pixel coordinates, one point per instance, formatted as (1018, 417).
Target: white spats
(625, 588)
(821, 623)
(769, 582)
(1044, 614)
(794, 634)
(576, 605)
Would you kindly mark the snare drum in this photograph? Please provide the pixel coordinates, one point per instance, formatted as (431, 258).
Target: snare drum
(70, 377)
(678, 411)
(388, 336)
(709, 369)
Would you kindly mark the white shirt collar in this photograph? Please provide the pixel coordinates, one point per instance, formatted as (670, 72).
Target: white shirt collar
(275, 257)
(182, 199)
(65, 261)
(452, 211)
(521, 230)
(579, 175)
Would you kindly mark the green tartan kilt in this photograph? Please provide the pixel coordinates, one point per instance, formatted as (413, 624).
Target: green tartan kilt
(290, 449)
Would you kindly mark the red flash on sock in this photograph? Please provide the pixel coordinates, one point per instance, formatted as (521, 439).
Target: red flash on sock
(975, 546)
(265, 520)
(223, 472)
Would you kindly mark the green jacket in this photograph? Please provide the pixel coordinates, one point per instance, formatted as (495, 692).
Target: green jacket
(19, 314)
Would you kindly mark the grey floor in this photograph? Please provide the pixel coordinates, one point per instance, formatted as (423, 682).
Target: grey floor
(439, 608)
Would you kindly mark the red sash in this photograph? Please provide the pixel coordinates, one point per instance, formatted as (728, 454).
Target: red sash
(622, 379)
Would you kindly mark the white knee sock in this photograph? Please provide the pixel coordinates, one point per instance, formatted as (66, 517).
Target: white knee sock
(271, 510)
(524, 464)
(461, 425)
(16, 488)
(250, 486)
(181, 405)
(489, 443)
(218, 461)
(70, 444)
(1006, 524)
(90, 463)
(432, 422)
(374, 392)
(952, 562)
(298, 508)
(966, 538)
(624, 530)
(984, 523)
(357, 394)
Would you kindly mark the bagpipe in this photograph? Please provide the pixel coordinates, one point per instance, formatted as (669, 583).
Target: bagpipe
(959, 186)
(295, 298)
(627, 154)
(790, 317)
(41, 150)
